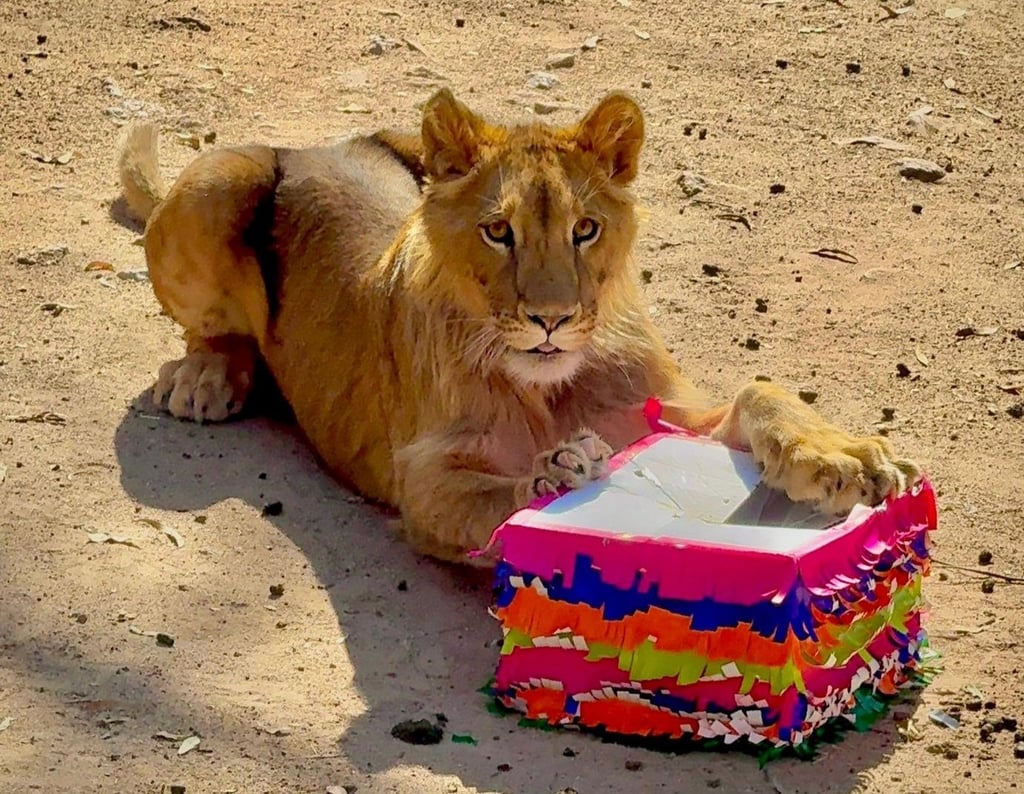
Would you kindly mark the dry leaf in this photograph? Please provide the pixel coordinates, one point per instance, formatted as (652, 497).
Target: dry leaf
(61, 159)
(168, 530)
(3, 474)
(921, 357)
(165, 736)
(876, 140)
(5, 723)
(415, 46)
(139, 632)
(954, 13)
(56, 309)
(353, 108)
(103, 537)
(188, 745)
(734, 217)
(950, 83)
(187, 139)
(284, 730)
(911, 732)
(894, 13)
(43, 417)
(643, 35)
(969, 331)
(93, 266)
(836, 253)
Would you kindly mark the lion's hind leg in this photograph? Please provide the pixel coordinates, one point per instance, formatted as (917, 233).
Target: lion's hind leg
(207, 274)
(212, 382)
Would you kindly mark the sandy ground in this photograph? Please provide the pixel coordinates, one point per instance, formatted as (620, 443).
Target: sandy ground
(746, 95)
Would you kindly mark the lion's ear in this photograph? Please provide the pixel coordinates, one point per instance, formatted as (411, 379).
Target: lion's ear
(452, 136)
(614, 131)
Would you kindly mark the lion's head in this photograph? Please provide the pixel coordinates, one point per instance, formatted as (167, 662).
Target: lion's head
(530, 231)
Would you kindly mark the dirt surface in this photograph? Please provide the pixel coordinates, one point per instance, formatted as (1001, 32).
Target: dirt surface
(745, 94)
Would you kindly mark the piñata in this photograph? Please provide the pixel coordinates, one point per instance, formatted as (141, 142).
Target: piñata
(680, 598)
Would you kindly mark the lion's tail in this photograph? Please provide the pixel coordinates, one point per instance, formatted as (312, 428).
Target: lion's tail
(139, 166)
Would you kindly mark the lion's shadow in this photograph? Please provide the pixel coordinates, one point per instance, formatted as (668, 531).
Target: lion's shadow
(426, 646)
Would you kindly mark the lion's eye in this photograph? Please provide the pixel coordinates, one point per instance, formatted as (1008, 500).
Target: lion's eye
(585, 230)
(498, 233)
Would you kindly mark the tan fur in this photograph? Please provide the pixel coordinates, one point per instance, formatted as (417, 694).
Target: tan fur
(410, 344)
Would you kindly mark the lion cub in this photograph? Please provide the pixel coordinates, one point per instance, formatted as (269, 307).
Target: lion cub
(453, 317)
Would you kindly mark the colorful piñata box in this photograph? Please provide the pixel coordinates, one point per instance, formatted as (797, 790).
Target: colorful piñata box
(680, 598)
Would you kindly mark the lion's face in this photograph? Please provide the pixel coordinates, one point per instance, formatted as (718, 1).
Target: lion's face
(534, 228)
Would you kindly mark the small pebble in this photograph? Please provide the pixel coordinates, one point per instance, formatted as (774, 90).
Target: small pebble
(276, 590)
(902, 371)
(403, 586)
(973, 705)
(568, 752)
(542, 80)
(646, 83)
(633, 765)
(760, 305)
(709, 269)
(460, 22)
(752, 344)
(646, 276)
(504, 767)
(888, 414)
(921, 170)
(164, 640)
(917, 209)
(985, 557)
(808, 396)
(853, 67)
(273, 509)
(905, 70)
(561, 60)
(1018, 750)
(988, 586)
(777, 188)
(781, 63)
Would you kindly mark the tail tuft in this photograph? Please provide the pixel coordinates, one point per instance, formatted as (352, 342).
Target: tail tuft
(139, 166)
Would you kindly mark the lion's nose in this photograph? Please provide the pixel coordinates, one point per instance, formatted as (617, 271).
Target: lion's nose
(549, 321)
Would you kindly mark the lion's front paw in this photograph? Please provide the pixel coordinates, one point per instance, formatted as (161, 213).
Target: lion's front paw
(203, 387)
(832, 469)
(572, 464)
